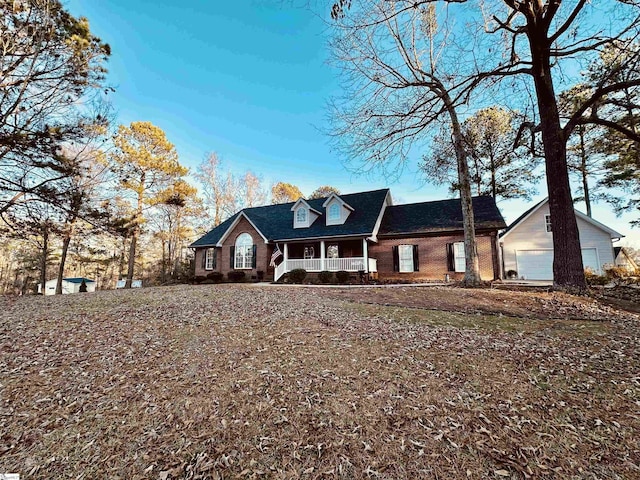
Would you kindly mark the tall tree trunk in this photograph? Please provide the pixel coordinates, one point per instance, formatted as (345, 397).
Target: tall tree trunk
(494, 186)
(43, 258)
(134, 236)
(472, 270)
(132, 259)
(121, 262)
(63, 256)
(163, 274)
(583, 170)
(568, 271)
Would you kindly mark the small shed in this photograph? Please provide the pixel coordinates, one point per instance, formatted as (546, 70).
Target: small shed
(69, 285)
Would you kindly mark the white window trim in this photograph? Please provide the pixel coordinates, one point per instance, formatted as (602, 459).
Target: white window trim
(547, 223)
(209, 258)
(408, 259)
(459, 268)
(245, 251)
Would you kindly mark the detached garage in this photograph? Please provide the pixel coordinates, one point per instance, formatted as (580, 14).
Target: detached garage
(527, 245)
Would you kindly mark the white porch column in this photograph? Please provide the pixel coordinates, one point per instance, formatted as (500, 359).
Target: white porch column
(286, 257)
(322, 255)
(365, 255)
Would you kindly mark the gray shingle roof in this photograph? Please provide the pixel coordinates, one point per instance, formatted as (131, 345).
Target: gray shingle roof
(275, 222)
(439, 216)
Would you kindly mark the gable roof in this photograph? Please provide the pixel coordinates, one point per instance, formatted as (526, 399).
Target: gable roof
(579, 214)
(303, 201)
(275, 223)
(439, 216)
(340, 200)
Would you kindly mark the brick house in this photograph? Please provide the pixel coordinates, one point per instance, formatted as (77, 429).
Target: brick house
(358, 232)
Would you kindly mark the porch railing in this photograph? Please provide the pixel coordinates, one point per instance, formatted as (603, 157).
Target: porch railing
(349, 264)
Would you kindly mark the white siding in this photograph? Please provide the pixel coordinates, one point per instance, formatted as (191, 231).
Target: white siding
(531, 234)
(594, 237)
(67, 287)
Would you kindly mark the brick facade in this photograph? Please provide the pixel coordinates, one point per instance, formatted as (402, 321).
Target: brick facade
(223, 254)
(432, 253)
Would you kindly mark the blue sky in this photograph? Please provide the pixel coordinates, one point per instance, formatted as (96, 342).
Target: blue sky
(248, 80)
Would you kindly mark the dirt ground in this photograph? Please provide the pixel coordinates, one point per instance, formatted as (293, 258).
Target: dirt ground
(239, 381)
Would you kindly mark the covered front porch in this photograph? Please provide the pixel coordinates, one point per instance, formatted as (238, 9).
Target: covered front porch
(350, 255)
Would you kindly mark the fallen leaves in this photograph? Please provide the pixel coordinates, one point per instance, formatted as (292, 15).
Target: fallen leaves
(240, 381)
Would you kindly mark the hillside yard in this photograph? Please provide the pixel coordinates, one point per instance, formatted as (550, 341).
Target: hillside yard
(242, 381)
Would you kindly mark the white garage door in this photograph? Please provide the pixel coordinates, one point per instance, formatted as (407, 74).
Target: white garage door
(538, 264)
(590, 259)
(535, 264)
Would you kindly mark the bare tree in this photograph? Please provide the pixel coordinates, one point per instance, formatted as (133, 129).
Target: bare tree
(251, 191)
(218, 188)
(542, 39)
(402, 76)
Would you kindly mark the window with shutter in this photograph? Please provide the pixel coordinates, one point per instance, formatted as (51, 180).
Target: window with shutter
(405, 256)
(450, 263)
(460, 263)
(210, 259)
(244, 252)
(396, 260)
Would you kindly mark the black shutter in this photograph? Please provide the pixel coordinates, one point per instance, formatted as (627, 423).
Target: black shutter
(396, 259)
(450, 262)
(253, 256)
(232, 253)
(214, 252)
(204, 258)
(416, 260)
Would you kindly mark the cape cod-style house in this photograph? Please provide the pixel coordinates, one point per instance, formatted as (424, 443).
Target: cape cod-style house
(358, 232)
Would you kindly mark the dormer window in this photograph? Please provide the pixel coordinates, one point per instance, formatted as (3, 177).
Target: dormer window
(304, 214)
(337, 210)
(334, 212)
